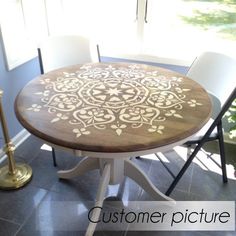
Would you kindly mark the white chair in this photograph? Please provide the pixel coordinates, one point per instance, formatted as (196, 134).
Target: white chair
(65, 50)
(217, 74)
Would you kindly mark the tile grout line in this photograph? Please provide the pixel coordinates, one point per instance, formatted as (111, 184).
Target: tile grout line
(141, 191)
(9, 221)
(33, 210)
(191, 180)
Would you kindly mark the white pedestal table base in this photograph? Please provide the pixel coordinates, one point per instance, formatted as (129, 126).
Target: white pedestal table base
(112, 172)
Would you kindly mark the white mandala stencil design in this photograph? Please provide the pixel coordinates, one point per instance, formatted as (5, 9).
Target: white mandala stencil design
(113, 97)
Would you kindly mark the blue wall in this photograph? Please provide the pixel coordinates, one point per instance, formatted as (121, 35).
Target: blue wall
(12, 81)
(180, 69)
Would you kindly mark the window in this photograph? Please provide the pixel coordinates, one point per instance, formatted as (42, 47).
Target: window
(181, 29)
(174, 30)
(22, 24)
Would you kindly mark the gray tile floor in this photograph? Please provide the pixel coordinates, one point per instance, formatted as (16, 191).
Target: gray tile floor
(49, 206)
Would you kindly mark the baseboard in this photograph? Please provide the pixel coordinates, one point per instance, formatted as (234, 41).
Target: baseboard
(17, 140)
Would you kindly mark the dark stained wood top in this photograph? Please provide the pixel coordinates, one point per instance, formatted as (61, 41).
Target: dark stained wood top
(115, 107)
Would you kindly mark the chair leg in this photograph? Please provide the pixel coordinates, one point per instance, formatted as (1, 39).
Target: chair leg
(197, 148)
(185, 167)
(54, 157)
(181, 173)
(222, 152)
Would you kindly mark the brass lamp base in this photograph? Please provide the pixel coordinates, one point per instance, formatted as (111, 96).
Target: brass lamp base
(23, 174)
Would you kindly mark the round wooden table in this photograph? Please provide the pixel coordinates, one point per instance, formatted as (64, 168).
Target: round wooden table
(109, 112)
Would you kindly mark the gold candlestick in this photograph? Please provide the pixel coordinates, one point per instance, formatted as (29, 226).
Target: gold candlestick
(12, 176)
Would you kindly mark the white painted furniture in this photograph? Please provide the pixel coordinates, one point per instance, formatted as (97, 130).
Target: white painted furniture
(217, 74)
(66, 50)
(109, 112)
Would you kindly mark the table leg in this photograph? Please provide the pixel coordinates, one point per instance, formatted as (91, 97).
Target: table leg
(135, 173)
(112, 171)
(82, 167)
(104, 182)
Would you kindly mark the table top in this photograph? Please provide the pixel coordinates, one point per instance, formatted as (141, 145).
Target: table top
(112, 107)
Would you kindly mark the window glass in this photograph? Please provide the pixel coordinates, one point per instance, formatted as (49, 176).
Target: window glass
(181, 29)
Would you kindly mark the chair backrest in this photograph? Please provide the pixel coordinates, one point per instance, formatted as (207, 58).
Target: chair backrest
(216, 73)
(65, 50)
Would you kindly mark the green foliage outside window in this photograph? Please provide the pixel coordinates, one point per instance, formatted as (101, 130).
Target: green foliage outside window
(218, 15)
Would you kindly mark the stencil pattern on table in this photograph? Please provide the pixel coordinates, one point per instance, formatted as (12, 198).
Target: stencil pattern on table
(113, 97)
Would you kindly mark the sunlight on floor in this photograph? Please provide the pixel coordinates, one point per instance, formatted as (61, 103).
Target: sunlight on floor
(113, 189)
(46, 147)
(154, 157)
(210, 161)
(81, 208)
(150, 157)
(162, 157)
(206, 160)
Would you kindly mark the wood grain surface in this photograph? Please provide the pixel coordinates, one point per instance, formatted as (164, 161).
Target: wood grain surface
(112, 107)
